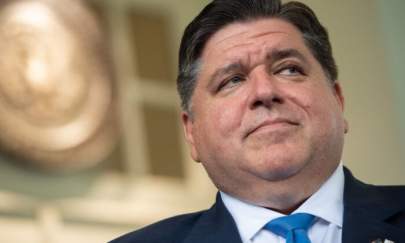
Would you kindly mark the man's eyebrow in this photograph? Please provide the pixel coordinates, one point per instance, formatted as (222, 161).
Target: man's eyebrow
(232, 67)
(280, 54)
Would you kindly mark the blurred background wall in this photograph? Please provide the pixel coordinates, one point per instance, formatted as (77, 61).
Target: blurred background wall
(366, 37)
(81, 194)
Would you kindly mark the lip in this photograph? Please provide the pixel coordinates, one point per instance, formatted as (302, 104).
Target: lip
(272, 123)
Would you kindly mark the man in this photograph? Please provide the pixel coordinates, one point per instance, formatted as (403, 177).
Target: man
(263, 113)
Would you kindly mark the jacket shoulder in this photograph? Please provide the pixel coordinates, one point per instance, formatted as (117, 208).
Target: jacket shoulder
(170, 230)
(361, 191)
(396, 191)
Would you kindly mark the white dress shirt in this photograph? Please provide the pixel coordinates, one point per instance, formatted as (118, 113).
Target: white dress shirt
(326, 204)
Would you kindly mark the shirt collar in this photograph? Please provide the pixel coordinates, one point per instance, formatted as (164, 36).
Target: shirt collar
(326, 203)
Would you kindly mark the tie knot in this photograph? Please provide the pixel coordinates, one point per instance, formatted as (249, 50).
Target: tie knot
(288, 226)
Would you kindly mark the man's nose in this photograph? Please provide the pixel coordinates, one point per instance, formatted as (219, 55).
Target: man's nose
(264, 90)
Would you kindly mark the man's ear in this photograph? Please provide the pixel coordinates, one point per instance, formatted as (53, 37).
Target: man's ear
(188, 126)
(341, 100)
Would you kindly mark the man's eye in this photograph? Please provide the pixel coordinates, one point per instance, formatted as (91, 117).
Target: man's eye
(231, 82)
(291, 71)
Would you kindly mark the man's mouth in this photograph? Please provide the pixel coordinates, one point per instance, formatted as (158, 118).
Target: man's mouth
(272, 124)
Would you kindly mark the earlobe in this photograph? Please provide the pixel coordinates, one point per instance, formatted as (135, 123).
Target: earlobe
(341, 100)
(346, 126)
(339, 94)
(188, 126)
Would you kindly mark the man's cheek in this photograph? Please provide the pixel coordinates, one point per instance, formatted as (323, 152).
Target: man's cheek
(227, 121)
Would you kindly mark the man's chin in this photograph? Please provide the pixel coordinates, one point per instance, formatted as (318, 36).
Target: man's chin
(278, 172)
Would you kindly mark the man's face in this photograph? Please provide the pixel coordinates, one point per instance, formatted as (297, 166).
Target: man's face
(263, 109)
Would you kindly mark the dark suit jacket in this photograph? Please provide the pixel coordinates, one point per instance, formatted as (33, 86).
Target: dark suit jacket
(370, 213)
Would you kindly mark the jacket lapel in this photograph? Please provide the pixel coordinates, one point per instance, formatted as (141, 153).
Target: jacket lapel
(215, 226)
(366, 211)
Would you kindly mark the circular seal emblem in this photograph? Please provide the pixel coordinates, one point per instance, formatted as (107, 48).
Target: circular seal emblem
(56, 101)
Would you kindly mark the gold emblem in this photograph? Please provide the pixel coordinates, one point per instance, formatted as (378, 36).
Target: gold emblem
(55, 84)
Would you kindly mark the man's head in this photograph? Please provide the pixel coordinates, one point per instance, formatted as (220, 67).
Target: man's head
(264, 113)
(220, 13)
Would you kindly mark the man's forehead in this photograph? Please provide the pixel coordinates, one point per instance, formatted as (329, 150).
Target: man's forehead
(251, 40)
(271, 56)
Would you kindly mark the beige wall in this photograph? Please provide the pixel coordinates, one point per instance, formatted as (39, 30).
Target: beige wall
(374, 149)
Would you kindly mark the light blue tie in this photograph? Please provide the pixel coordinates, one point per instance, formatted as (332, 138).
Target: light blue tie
(293, 227)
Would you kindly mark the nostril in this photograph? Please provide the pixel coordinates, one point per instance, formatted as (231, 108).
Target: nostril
(258, 103)
(267, 102)
(277, 99)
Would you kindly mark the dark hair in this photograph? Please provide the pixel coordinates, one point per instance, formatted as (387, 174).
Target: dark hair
(220, 13)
